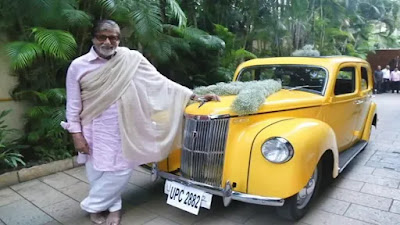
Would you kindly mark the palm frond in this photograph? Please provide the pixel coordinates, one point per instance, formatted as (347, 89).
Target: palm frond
(23, 54)
(212, 42)
(226, 73)
(146, 18)
(41, 4)
(4, 113)
(177, 12)
(58, 115)
(57, 43)
(121, 14)
(243, 54)
(56, 95)
(178, 44)
(33, 137)
(191, 32)
(38, 112)
(45, 13)
(49, 4)
(336, 32)
(197, 36)
(161, 50)
(77, 18)
(34, 96)
(107, 5)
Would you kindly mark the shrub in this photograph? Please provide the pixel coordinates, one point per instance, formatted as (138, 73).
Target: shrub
(47, 140)
(9, 145)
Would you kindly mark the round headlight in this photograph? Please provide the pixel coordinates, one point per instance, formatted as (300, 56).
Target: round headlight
(277, 150)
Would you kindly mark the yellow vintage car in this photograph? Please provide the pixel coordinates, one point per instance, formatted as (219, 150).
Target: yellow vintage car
(301, 137)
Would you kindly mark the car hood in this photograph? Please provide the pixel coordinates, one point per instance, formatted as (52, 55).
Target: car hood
(281, 100)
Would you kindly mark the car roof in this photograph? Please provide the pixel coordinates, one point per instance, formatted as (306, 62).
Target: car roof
(324, 61)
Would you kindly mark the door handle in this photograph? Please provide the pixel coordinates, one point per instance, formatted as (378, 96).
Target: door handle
(357, 102)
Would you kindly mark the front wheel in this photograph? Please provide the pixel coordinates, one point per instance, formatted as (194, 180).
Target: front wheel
(295, 207)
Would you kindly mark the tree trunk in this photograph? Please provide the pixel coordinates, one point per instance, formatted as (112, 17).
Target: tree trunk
(189, 7)
(163, 6)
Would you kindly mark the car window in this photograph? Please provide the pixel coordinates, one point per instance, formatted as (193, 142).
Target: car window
(364, 78)
(298, 77)
(345, 81)
(247, 76)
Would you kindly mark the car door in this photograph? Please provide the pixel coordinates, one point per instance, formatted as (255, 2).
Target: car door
(341, 113)
(364, 99)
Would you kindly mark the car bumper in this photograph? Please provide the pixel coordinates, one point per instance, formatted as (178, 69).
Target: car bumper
(226, 193)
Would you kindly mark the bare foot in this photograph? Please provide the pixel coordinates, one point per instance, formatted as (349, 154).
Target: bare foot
(97, 218)
(114, 218)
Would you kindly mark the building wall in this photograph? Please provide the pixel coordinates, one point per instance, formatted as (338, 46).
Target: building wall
(382, 57)
(7, 82)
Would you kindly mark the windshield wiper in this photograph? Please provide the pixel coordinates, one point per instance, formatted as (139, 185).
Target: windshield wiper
(300, 87)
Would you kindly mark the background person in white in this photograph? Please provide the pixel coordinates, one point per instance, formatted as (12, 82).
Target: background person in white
(395, 80)
(386, 79)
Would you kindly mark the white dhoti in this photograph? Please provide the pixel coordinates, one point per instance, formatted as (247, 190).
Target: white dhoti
(105, 189)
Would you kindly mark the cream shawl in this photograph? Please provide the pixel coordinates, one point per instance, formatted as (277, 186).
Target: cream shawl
(150, 105)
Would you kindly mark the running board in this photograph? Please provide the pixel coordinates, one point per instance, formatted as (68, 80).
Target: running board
(347, 155)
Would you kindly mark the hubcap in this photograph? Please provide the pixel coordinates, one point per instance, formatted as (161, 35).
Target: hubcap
(304, 196)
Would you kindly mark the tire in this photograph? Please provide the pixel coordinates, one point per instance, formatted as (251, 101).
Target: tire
(296, 206)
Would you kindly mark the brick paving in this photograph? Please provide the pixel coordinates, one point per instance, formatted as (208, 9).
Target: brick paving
(367, 192)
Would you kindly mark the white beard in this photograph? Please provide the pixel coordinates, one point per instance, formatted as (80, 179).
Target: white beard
(105, 51)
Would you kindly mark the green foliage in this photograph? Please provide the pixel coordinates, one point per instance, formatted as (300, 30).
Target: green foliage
(307, 50)
(177, 12)
(23, 54)
(56, 43)
(232, 55)
(9, 146)
(146, 18)
(278, 28)
(194, 53)
(43, 133)
(193, 42)
(77, 18)
(108, 6)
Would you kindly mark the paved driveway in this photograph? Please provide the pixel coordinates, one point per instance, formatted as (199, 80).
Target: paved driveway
(366, 193)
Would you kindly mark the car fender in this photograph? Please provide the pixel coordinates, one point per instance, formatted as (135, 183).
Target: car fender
(241, 136)
(310, 139)
(370, 121)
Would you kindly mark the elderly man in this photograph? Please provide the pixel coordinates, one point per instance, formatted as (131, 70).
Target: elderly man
(121, 113)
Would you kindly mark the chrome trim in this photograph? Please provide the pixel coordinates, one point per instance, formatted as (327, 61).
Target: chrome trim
(226, 193)
(286, 143)
(207, 117)
(203, 150)
(358, 152)
(154, 172)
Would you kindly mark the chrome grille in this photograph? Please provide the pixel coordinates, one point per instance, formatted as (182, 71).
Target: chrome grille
(203, 149)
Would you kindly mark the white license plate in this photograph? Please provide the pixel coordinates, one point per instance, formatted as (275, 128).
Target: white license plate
(186, 198)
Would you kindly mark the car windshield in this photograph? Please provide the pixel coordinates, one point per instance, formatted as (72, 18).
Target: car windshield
(293, 77)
